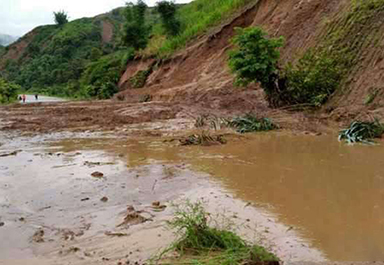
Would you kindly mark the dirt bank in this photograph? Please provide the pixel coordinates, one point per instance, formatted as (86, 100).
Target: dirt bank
(199, 74)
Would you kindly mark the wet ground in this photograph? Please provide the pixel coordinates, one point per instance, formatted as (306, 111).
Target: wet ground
(304, 196)
(53, 211)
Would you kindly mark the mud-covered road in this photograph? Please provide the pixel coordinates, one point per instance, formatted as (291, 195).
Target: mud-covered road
(95, 183)
(54, 211)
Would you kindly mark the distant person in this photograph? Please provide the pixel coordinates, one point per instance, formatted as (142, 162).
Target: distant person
(20, 99)
(24, 98)
(36, 96)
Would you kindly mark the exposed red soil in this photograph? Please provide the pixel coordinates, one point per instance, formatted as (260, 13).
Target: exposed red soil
(16, 50)
(200, 75)
(107, 31)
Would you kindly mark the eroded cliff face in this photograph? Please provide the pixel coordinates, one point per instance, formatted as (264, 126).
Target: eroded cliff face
(200, 75)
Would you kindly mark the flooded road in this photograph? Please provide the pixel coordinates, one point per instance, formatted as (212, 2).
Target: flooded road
(54, 210)
(330, 192)
(32, 99)
(313, 197)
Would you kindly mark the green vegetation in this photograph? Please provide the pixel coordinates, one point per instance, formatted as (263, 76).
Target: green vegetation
(363, 132)
(170, 23)
(199, 243)
(100, 78)
(61, 18)
(312, 81)
(63, 59)
(139, 80)
(8, 91)
(251, 123)
(136, 32)
(195, 19)
(59, 60)
(255, 57)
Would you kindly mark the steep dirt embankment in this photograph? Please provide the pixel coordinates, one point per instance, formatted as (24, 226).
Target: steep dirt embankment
(200, 74)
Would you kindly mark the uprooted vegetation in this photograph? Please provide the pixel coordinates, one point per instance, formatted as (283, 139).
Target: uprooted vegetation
(242, 124)
(203, 138)
(362, 132)
(200, 243)
(251, 123)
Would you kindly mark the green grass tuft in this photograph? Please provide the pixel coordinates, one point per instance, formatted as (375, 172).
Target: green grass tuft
(198, 243)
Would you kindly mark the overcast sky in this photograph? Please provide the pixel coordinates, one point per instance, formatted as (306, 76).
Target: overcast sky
(18, 17)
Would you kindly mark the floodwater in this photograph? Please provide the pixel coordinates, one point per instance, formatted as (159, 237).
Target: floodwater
(328, 193)
(32, 99)
(52, 209)
(331, 192)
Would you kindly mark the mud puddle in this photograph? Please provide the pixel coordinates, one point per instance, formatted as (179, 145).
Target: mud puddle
(327, 192)
(54, 210)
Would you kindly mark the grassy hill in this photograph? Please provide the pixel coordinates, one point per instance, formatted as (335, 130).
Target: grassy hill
(85, 58)
(51, 59)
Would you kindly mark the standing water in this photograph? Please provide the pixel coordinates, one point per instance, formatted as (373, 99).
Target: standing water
(32, 99)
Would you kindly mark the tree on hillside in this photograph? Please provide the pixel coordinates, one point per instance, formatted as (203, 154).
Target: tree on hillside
(8, 91)
(255, 59)
(135, 32)
(61, 17)
(167, 11)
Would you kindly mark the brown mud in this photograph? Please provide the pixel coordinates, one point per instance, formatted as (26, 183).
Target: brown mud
(55, 212)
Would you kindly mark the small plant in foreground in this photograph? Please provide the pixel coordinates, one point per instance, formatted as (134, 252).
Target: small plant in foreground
(363, 132)
(204, 244)
(251, 123)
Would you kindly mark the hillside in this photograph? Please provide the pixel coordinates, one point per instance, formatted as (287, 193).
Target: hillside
(85, 58)
(5, 39)
(51, 59)
(351, 30)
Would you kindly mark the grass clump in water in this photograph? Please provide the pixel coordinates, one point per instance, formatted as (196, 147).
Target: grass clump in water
(198, 243)
(362, 132)
(251, 123)
(204, 138)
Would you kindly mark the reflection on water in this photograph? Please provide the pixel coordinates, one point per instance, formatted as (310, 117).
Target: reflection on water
(332, 192)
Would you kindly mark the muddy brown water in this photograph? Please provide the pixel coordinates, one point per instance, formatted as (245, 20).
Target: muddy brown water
(331, 192)
(326, 192)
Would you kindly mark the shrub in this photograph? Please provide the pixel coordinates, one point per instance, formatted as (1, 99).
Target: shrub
(8, 91)
(96, 53)
(140, 78)
(135, 32)
(255, 57)
(313, 80)
(101, 77)
(61, 17)
(167, 11)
